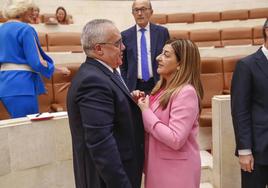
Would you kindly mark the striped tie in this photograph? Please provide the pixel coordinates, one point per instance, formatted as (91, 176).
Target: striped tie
(119, 77)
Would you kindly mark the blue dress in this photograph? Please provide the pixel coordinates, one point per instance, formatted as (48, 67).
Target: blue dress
(19, 44)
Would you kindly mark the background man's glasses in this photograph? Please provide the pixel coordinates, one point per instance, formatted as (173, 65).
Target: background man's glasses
(143, 9)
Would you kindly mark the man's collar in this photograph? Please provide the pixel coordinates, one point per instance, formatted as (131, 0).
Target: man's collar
(265, 51)
(104, 64)
(147, 27)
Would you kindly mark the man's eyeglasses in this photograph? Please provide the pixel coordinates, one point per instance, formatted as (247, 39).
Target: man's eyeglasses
(117, 44)
(136, 10)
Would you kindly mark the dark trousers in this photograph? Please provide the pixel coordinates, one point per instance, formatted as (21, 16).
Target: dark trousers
(145, 86)
(256, 179)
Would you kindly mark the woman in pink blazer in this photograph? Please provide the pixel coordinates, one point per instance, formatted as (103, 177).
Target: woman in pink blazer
(170, 116)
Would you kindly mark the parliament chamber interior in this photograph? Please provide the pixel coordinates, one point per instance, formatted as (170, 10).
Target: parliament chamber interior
(224, 31)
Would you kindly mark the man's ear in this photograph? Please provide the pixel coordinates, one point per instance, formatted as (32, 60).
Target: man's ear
(98, 49)
(151, 14)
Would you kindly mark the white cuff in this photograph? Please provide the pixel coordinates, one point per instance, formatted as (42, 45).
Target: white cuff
(244, 152)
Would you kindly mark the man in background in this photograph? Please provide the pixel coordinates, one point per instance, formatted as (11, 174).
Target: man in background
(144, 42)
(105, 122)
(249, 102)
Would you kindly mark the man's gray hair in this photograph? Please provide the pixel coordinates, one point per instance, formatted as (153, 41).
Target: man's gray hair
(94, 32)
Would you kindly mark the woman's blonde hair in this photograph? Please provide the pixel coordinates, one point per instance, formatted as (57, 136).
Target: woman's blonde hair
(15, 8)
(188, 57)
(35, 7)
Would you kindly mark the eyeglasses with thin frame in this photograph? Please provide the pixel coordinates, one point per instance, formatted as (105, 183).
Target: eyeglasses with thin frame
(143, 9)
(117, 44)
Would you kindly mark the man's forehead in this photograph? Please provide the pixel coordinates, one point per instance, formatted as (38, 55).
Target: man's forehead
(141, 3)
(114, 34)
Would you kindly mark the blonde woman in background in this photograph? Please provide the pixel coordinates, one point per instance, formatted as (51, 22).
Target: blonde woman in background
(22, 61)
(36, 18)
(170, 117)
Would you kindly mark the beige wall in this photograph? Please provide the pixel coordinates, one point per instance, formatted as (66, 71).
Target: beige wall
(226, 170)
(120, 11)
(35, 154)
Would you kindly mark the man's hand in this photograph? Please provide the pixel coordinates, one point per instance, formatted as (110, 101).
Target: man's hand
(246, 162)
(137, 94)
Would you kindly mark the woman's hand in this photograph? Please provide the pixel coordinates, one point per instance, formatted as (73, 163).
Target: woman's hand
(44, 63)
(64, 70)
(136, 94)
(143, 103)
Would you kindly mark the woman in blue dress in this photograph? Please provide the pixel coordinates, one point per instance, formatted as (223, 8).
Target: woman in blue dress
(22, 61)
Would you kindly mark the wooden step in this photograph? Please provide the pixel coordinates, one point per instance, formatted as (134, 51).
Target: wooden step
(206, 166)
(206, 185)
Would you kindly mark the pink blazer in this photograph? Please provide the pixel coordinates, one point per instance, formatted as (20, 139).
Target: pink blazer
(172, 158)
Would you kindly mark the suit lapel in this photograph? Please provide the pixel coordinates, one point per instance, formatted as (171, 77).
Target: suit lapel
(133, 43)
(153, 38)
(111, 75)
(119, 84)
(262, 62)
(155, 104)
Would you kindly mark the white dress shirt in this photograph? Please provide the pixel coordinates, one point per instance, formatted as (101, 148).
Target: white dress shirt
(108, 67)
(148, 47)
(265, 51)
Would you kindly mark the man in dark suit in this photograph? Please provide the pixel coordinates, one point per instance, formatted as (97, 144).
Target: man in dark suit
(249, 101)
(144, 42)
(105, 122)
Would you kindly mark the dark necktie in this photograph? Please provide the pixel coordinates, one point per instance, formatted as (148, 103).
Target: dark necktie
(119, 77)
(144, 57)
